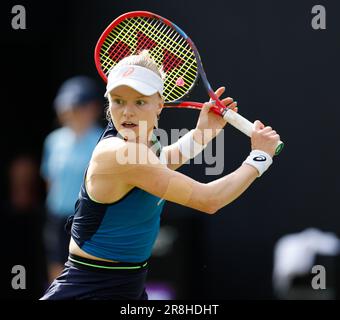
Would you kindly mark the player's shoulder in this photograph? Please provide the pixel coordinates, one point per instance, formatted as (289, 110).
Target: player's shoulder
(108, 146)
(120, 152)
(109, 149)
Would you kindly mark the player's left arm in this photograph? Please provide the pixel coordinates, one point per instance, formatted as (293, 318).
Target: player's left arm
(209, 125)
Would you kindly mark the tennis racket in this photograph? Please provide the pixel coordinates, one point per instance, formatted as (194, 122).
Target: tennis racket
(172, 50)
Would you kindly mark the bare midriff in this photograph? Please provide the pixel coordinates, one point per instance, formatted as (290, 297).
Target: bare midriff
(74, 249)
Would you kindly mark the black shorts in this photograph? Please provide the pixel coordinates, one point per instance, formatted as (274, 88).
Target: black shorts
(86, 279)
(57, 240)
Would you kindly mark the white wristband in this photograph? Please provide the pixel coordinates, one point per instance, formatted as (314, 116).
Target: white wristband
(260, 160)
(188, 147)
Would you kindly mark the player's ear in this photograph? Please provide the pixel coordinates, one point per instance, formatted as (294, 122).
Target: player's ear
(160, 104)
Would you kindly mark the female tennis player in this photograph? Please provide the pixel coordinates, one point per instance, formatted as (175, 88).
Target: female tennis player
(117, 215)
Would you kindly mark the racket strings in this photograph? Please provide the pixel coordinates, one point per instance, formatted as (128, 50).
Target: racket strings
(144, 42)
(170, 61)
(179, 45)
(172, 91)
(166, 46)
(121, 51)
(117, 33)
(130, 25)
(164, 36)
(146, 28)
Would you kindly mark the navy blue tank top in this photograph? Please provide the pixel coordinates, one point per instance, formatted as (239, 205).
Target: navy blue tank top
(125, 230)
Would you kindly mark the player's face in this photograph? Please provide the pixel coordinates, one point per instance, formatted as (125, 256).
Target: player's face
(133, 114)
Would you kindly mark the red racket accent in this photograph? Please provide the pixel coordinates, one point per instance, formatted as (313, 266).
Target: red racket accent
(144, 42)
(122, 52)
(170, 61)
(184, 104)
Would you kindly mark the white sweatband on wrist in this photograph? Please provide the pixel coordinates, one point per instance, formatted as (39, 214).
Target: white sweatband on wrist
(188, 147)
(260, 160)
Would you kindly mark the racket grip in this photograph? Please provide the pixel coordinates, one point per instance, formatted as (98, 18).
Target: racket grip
(245, 126)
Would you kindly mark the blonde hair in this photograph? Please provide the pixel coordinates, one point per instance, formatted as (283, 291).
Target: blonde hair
(143, 59)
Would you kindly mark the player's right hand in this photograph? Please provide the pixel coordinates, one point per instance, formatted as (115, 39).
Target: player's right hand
(264, 138)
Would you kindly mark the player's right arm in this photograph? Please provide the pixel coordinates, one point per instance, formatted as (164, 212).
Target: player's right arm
(149, 174)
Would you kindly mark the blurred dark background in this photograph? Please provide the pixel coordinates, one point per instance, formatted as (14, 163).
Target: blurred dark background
(278, 68)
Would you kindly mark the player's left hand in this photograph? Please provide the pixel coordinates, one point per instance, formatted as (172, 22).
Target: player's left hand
(211, 120)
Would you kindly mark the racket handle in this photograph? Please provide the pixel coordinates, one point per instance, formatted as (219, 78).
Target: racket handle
(245, 126)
